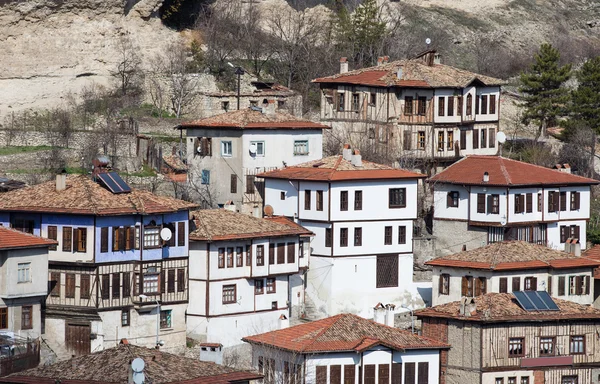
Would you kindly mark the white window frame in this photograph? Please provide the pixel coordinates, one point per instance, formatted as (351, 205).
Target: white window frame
(299, 143)
(24, 272)
(205, 177)
(260, 147)
(151, 237)
(226, 148)
(150, 283)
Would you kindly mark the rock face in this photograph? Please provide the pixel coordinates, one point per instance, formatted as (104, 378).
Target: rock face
(51, 48)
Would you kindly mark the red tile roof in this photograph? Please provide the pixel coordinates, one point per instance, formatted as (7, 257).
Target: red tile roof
(13, 239)
(251, 119)
(112, 366)
(505, 172)
(594, 254)
(503, 307)
(414, 73)
(222, 224)
(85, 196)
(341, 333)
(513, 255)
(335, 168)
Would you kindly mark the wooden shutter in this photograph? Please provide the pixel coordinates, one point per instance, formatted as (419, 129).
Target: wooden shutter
(441, 285)
(349, 374)
(449, 200)
(271, 254)
(55, 284)
(181, 234)
(321, 374)
(105, 287)
(561, 285)
(233, 181)
(369, 374)
(521, 203)
(409, 373)
(171, 281)
(529, 198)
(516, 284)
(396, 373)
(483, 285)
(475, 138)
(162, 281)
(280, 253)
(115, 245)
(463, 139)
(248, 255)
(84, 286)
(104, 239)
(578, 285)
(122, 239)
(577, 201)
(402, 235)
(481, 203)
(335, 374)
(534, 283)
(291, 252)
(52, 235)
(67, 233)
(70, 285)
(587, 285)
(384, 374)
(503, 285)
(423, 373)
(490, 204)
(549, 285)
(387, 271)
(116, 285)
(477, 287)
(556, 200)
(577, 232)
(180, 280)
(126, 285)
(464, 286)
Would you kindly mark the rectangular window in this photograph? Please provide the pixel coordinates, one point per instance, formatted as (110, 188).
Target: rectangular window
(383, 376)
(421, 140)
(387, 271)
(494, 204)
(563, 201)
(423, 372)
(519, 203)
(165, 319)
(271, 253)
(408, 105)
(3, 318)
(258, 147)
(444, 284)
(300, 249)
(422, 106)
(23, 272)
(53, 235)
(221, 258)
(321, 373)
(402, 234)
(343, 237)
(271, 286)
(105, 289)
(26, 317)
(280, 253)
(561, 285)
(547, 346)
(226, 149)
(530, 283)
(387, 236)
(239, 256)
(492, 137)
(307, 204)
(357, 200)
(259, 287)
(180, 280)
(355, 102)
(441, 105)
(440, 141)
(282, 195)
(181, 235)
(369, 374)
(84, 286)
(67, 238)
(477, 104)
(577, 345)
(260, 255)
(319, 200)
(539, 202)
(463, 139)
(516, 284)
(467, 286)
(528, 202)
(483, 138)
(205, 179)
(503, 285)
(459, 106)
(357, 237)
(452, 199)
(515, 347)
(328, 237)
(130, 238)
(300, 147)
(524, 379)
(492, 104)
(553, 201)
(397, 198)
(291, 253)
(450, 135)
(481, 203)
(151, 237)
(116, 285)
(475, 138)
(575, 201)
(80, 239)
(480, 286)
(250, 184)
(70, 285)
(569, 380)
(340, 102)
(230, 257)
(343, 200)
(373, 99)
(512, 380)
(484, 100)
(150, 283)
(409, 373)
(349, 374)
(171, 281)
(233, 183)
(407, 140)
(229, 294)
(450, 105)
(125, 318)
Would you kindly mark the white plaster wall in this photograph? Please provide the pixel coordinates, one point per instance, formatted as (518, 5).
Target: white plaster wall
(14, 307)
(584, 203)
(279, 147)
(9, 285)
(197, 303)
(445, 93)
(580, 299)
(535, 215)
(490, 377)
(247, 301)
(373, 238)
(317, 243)
(416, 356)
(288, 206)
(488, 217)
(54, 336)
(197, 260)
(441, 209)
(313, 214)
(488, 91)
(326, 359)
(375, 198)
(554, 233)
(77, 222)
(549, 216)
(229, 330)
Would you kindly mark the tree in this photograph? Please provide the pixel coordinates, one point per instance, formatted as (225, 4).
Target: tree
(585, 100)
(128, 71)
(543, 87)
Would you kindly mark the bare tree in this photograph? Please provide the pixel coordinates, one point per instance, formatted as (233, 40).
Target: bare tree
(128, 72)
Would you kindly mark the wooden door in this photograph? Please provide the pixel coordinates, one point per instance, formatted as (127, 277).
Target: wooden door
(77, 339)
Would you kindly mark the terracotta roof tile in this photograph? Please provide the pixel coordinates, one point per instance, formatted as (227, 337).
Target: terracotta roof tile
(85, 196)
(335, 168)
(251, 119)
(513, 255)
(414, 73)
(503, 307)
(13, 239)
(504, 172)
(344, 332)
(174, 162)
(112, 366)
(222, 224)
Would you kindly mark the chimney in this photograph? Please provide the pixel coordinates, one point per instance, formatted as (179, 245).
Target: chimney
(357, 158)
(343, 65)
(229, 205)
(61, 181)
(379, 61)
(576, 249)
(284, 322)
(389, 315)
(467, 306)
(347, 152)
(568, 246)
(379, 313)
(386, 59)
(437, 58)
(486, 177)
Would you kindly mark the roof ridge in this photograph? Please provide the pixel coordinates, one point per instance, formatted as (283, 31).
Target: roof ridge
(90, 195)
(337, 318)
(504, 171)
(538, 166)
(336, 165)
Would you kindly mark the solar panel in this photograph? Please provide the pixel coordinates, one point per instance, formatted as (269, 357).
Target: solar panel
(535, 301)
(114, 182)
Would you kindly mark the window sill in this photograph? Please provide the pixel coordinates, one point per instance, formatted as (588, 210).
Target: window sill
(23, 282)
(166, 329)
(301, 154)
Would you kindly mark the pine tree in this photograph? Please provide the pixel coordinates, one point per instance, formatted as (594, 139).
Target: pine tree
(585, 100)
(543, 88)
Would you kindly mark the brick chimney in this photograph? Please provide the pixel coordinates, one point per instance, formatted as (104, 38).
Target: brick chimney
(343, 65)
(379, 61)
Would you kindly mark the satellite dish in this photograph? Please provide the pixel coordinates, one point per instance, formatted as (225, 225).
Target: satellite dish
(165, 234)
(138, 378)
(199, 149)
(253, 148)
(138, 364)
(268, 210)
(428, 41)
(503, 222)
(501, 137)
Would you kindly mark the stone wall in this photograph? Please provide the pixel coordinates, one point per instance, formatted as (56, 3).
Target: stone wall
(451, 235)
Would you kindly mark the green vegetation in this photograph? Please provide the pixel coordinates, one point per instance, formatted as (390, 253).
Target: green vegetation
(11, 150)
(146, 171)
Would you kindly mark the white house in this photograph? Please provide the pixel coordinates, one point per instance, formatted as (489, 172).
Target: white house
(418, 107)
(246, 274)
(362, 216)
(485, 199)
(225, 152)
(346, 349)
(511, 266)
